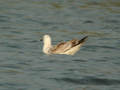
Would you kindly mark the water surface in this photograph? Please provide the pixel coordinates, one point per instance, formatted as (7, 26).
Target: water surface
(23, 66)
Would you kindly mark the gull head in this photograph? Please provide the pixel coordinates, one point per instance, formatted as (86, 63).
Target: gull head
(47, 39)
(47, 43)
(46, 36)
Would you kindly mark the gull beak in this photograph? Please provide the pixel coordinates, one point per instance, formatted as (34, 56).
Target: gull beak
(41, 39)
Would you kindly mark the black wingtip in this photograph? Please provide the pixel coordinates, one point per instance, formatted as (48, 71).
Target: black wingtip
(83, 39)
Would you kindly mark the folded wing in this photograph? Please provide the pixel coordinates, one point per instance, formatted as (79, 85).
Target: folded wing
(65, 46)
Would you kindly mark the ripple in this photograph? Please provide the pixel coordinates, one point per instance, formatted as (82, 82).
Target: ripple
(15, 46)
(97, 46)
(112, 21)
(78, 60)
(6, 84)
(88, 21)
(40, 69)
(10, 66)
(90, 81)
(56, 5)
(92, 33)
(4, 19)
(10, 71)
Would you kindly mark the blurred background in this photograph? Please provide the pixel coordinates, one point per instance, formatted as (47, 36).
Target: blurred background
(23, 65)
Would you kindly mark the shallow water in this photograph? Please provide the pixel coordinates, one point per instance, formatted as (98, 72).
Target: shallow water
(23, 66)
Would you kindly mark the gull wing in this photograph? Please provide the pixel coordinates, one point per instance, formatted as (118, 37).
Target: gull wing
(61, 47)
(65, 46)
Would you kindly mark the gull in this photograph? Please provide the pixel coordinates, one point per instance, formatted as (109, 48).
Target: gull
(68, 48)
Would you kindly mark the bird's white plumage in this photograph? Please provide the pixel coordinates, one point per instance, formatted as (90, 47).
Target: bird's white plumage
(68, 48)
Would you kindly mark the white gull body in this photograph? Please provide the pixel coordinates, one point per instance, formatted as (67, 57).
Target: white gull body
(68, 48)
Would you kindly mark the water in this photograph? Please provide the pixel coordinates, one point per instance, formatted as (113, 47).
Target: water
(23, 66)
